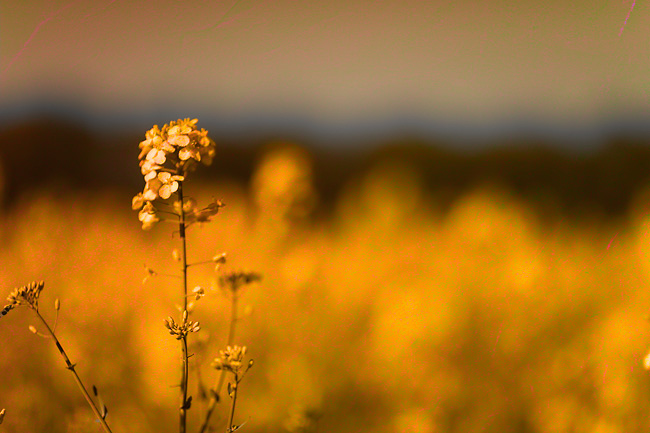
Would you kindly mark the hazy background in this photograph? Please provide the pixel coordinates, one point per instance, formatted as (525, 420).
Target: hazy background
(449, 203)
(332, 69)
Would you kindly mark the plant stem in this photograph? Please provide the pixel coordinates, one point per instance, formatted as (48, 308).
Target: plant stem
(234, 401)
(216, 390)
(70, 366)
(185, 367)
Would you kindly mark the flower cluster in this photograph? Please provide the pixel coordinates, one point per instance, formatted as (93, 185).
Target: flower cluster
(166, 156)
(234, 280)
(180, 330)
(231, 359)
(25, 295)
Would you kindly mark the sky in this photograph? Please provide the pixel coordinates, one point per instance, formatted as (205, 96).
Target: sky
(332, 68)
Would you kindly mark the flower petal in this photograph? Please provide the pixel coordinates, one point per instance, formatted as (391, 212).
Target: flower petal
(137, 202)
(167, 147)
(149, 176)
(180, 140)
(165, 191)
(184, 154)
(164, 177)
(149, 195)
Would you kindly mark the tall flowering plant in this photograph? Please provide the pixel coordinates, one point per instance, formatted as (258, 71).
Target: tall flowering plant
(167, 156)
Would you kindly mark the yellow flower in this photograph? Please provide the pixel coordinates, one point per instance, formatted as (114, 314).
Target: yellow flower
(230, 359)
(204, 140)
(161, 185)
(153, 161)
(25, 295)
(169, 184)
(148, 216)
(178, 135)
(189, 206)
(157, 156)
(179, 140)
(151, 189)
(137, 202)
(166, 155)
(152, 140)
(147, 166)
(188, 152)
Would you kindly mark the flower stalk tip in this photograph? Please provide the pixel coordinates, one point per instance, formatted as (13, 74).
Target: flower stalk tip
(166, 156)
(26, 295)
(180, 331)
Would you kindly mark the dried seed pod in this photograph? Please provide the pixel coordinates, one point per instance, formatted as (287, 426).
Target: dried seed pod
(198, 292)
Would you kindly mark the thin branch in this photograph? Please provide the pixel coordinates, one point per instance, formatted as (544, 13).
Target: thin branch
(234, 402)
(70, 366)
(216, 390)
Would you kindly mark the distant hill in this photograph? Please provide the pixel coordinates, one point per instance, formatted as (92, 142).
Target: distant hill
(46, 150)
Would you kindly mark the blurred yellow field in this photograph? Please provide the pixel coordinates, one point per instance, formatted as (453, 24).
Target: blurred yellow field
(390, 316)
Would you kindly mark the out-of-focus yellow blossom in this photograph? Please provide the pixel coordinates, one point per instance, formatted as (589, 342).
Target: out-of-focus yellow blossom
(205, 215)
(234, 280)
(198, 292)
(195, 215)
(230, 359)
(189, 206)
